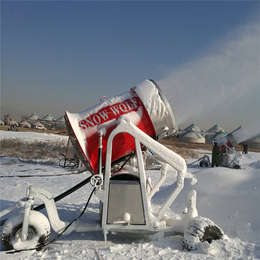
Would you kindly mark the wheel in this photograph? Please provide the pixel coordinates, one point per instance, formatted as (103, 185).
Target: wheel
(201, 230)
(38, 231)
(203, 163)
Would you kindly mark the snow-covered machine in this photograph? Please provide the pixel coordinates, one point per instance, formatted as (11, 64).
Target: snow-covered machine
(228, 155)
(117, 142)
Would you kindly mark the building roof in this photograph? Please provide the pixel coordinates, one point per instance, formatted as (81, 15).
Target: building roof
(61, 119)
(192, 126)
(48, 118)
(38, 123)
(24, 123)
(33, 116)
(218, 135)
(192, 136)
(13, 122)
(215, 129)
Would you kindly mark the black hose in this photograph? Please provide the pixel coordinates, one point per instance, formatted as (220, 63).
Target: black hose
(195, 161)
(71, 190)
(90, 196)
(66, 193)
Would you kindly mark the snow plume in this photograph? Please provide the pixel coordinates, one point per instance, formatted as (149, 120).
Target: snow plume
(222, 85)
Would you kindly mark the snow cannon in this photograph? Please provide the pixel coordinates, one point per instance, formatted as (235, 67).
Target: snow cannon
(228, 156)
(145, 105)
(230, 140)
(117, 141)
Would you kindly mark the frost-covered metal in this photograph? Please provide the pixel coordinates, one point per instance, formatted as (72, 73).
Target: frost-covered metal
(146, 107)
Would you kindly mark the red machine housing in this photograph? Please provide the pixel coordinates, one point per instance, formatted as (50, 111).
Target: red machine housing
(84, 127)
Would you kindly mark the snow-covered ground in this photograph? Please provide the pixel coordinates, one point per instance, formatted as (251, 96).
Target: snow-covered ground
(229, 197)
(28, 136)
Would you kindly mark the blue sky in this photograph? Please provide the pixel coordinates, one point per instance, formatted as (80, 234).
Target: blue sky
(65, 55)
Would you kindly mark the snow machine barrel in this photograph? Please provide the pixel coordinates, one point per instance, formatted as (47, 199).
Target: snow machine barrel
(145, 105)
(231, 140)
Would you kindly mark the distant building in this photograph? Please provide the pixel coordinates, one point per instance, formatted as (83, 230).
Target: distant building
(192, 126)
(33, 116)
(38, 125)
(212, 131)
(60, 122)
(192, 136)
(61, 119)
(8, 120)
(214, 137)
(24, 123)
(215, 129)
(48, 118)
(33, 120)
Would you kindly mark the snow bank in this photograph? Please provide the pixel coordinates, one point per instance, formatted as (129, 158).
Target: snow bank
(28, 136)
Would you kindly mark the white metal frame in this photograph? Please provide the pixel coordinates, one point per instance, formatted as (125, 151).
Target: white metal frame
(153, 221)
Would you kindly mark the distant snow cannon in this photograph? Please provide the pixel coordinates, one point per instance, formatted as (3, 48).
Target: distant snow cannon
(230, 140)
(228, 156)
(145, 105)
